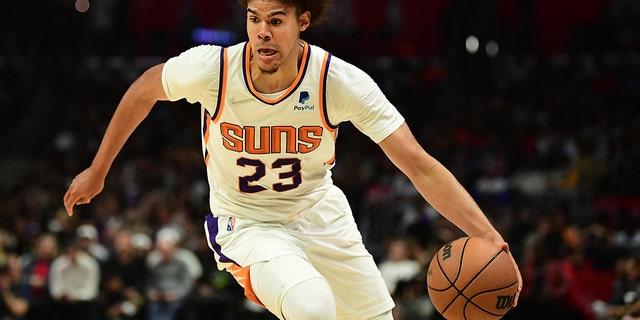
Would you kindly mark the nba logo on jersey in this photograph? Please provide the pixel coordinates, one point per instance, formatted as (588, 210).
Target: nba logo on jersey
(231, 224)
(304, 96)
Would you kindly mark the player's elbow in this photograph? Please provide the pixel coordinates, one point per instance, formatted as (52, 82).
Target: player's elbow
(148, 87)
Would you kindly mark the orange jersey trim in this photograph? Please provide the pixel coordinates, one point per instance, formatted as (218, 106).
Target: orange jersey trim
(292, 87)
(207, 128)
(206, 133)
(323, 102)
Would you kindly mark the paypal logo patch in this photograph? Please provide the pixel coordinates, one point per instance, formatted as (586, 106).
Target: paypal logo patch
(304, 97)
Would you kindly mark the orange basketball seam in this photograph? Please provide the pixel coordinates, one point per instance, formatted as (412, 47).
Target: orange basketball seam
(457, 275)
(479, 272)
(464, 313)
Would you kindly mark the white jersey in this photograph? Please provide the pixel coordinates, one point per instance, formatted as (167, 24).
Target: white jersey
(269, 156)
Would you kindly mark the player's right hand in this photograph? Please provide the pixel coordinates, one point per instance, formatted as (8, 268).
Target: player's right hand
(83, 188)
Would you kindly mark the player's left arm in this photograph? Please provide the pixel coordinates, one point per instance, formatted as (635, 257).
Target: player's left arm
(133, 108)
(440, 188)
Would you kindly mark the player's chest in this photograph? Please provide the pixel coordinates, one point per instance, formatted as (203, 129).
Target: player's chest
(302, 106)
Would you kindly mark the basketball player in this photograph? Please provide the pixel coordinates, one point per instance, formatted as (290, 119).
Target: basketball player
(270, 114)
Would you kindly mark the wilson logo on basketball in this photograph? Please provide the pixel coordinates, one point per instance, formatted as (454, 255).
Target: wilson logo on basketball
(504, 302)
(446, 251)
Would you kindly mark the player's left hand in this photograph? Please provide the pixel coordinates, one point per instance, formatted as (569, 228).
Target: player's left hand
(83, 188)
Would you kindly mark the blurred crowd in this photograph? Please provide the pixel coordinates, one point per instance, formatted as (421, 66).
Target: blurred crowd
(548, 144)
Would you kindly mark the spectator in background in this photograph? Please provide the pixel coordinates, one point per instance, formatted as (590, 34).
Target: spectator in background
(577, 302)
(74, 284)
(14, 304)
(398, 266)
(560, 272)
(550, 266)
(123, 279)
(5, 245)
(412, 300)
(37, 265)
(88, 240)
(142, 244)
(215, 291)
(169, 281)
(190, 259)
(627, 235)
(625, 299)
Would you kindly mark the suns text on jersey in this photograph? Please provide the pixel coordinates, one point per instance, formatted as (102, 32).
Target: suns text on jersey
(270, 139)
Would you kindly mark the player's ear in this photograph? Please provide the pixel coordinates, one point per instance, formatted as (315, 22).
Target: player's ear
(304, 20)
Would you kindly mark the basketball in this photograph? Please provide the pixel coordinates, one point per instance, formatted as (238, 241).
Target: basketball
(471, 278)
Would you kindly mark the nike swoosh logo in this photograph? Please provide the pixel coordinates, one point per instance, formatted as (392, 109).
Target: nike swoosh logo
(234, 102)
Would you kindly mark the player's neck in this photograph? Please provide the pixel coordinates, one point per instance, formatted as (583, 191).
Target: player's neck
(272, 82)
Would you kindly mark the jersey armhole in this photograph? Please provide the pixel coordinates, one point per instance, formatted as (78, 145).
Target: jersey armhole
(324, 73)
(222, 86)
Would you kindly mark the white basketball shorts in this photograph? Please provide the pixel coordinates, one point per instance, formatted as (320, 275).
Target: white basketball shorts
(326, 235)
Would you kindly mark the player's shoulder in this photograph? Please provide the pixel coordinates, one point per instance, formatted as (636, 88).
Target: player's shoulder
(320, 53)
(337, 65)
(341, 72)
(199, 60)
(197, 66)
(201, 52)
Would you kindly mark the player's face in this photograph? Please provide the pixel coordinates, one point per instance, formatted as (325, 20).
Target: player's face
(274, 32)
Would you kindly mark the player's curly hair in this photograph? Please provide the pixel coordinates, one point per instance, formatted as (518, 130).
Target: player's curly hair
(318, 8)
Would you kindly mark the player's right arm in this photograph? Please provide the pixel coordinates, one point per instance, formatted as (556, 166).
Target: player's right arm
(134, 107)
